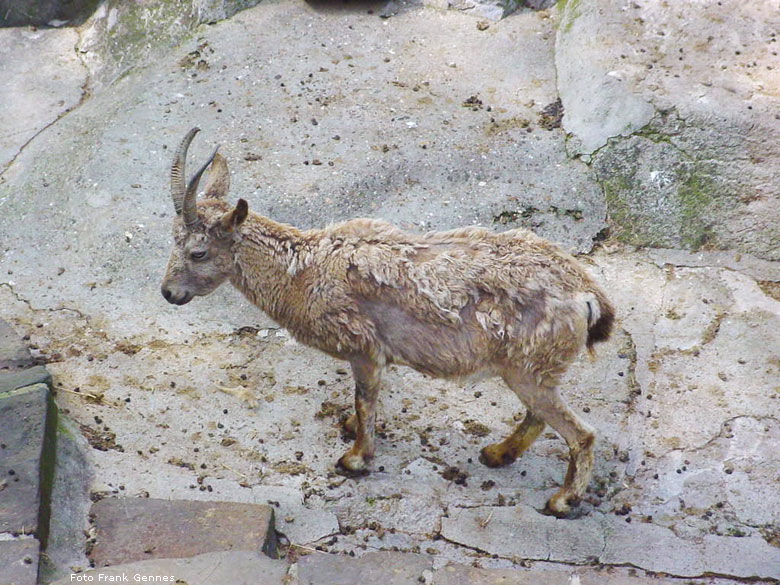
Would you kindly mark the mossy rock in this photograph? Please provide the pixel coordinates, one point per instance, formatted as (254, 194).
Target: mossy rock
(656, 196)
(667, 186)
(121, 35)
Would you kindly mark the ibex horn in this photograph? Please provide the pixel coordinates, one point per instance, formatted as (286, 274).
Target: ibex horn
(190, 209)
(178, 189)
(184, 197)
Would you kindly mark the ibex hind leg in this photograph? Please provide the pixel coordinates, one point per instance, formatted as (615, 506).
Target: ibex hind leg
(546, 404)
(505, 452)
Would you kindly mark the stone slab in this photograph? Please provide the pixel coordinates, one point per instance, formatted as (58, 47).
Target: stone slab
(233, 567)
(380, 568)
(13, 380)
(70, 504)
(467, 575)
(521, 532)
(655, 548)
(134, 529)
(23, 441)
(19, 561)
(307, 526)
(13, 351)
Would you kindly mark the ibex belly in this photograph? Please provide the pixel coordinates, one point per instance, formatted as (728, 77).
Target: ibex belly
(443, 350)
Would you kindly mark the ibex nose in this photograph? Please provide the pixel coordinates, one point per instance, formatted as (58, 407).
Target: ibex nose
(167, 294)
(171, 297)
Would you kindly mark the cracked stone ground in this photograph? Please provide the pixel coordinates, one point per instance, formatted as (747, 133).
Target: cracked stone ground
(211, 401)
(686, 447)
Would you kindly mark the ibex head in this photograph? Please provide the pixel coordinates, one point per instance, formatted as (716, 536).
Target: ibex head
(203, 234)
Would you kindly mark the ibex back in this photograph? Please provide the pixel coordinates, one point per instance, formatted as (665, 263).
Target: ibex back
(448, 304)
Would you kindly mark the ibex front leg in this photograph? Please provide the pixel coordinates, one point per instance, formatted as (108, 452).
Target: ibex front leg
(367, 376)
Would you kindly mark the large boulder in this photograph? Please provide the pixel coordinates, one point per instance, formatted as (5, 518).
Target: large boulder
(677, 117)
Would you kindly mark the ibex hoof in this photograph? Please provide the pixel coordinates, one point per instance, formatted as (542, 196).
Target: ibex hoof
(560, 505)
(495, 455)
(352, 465)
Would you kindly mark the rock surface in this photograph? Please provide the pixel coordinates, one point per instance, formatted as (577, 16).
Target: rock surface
(55, 13)
(19, 560)
(521, 532)
(121, 35)
(490, 9)
(333, 112)
(598, 102)
(413, 150)
(462, 575)
(50, 77)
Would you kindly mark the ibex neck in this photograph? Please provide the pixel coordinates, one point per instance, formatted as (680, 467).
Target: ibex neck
(264, 253)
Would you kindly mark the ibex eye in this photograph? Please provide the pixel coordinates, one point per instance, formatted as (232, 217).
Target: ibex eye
(200, 255)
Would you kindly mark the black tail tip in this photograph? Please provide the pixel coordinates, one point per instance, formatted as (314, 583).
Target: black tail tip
(602, 328)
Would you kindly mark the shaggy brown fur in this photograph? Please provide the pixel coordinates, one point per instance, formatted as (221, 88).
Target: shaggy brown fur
(448, 304)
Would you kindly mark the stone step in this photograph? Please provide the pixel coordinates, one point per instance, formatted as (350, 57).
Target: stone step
(214, 568)
(137, 529)
(378, 568)
(26, 457)
(27, 443)
(13, 380)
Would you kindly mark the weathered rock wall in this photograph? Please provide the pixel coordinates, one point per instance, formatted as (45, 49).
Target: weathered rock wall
(675, 109)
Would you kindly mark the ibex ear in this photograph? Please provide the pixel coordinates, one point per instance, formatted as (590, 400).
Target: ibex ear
(232, 219)
(219, 178)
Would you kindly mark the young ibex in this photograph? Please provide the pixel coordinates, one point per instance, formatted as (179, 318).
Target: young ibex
(448, 304)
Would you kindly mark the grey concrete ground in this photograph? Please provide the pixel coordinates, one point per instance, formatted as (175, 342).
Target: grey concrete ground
(424, 119)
